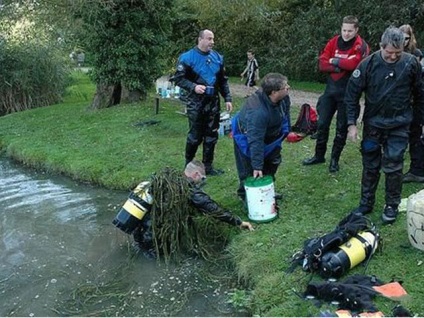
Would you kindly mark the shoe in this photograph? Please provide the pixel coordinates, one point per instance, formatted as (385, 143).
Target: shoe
(278, 196)
(313, 161)
(362, 210)
(334, 166)
(214, 172)
(410, 177)
(389, 214)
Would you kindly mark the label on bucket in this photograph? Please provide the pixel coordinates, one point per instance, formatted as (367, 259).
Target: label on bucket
(260, 199)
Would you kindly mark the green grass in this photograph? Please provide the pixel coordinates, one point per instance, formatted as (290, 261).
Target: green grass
(106, 148)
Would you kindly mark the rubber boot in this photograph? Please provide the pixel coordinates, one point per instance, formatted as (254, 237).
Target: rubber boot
(369, 185)
(334, 163)
(208, 156)
(190, 152)
(394, 188)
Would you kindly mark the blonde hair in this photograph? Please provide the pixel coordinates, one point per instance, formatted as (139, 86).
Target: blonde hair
(412, 44)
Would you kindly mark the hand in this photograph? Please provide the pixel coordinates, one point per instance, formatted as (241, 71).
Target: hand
(229, 106)
(257, 174)
(200, 89)
(246, 226)
(352, 133)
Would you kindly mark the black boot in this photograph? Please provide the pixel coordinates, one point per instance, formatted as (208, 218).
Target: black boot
(393, 196)
(313, 161)
(334, 165)
(190, 152)
(335, 156)
(369, 185)
(208, 155)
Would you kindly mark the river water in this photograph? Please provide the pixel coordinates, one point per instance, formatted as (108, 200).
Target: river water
(60, 255)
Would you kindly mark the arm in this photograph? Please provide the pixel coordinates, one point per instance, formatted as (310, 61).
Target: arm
(205, 204)
(184, 76)
(324, 59)
(256, 127)
(354, 89)
(418, 91)
(360, 51)
(224, 88)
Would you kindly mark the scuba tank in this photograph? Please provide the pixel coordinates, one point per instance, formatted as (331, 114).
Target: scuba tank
(139, 203)
(337, 262)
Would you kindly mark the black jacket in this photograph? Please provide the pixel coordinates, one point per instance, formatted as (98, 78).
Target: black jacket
(261, 120)
(392, 90)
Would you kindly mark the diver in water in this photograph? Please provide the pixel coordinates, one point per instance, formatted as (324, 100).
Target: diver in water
(155, 212)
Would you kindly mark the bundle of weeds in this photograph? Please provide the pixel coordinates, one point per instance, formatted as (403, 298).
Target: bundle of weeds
(177, 226)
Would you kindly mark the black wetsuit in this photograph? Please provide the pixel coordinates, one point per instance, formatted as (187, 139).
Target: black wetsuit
(392, 92)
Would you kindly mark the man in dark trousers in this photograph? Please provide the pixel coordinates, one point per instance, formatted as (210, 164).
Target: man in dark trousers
(340, 57)
(394, 91)
(200, 71)
(259, 129)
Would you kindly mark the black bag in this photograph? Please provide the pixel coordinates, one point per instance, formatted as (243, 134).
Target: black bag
(306, 122)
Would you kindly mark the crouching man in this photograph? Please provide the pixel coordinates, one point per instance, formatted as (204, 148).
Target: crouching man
(159, 213)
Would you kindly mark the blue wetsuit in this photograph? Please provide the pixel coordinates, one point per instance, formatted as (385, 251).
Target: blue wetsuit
(196, 67)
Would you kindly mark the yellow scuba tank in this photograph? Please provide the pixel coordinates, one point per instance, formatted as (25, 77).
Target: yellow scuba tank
(337, 262)
(139, 203)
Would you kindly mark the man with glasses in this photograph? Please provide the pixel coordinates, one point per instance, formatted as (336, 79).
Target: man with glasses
(259, 129)
(340, 57)
(394, 91)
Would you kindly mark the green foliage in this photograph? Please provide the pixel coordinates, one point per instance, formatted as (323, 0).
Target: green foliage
(32, 75)
(127, 40)
(288, 36)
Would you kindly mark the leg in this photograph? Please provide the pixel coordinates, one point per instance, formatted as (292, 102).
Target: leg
(340, 137)
(244, 170)
(211, 126)
(371, 164)
(271, 164)
(326, 109)
(392, 164)
(195, 133)
(416, 152)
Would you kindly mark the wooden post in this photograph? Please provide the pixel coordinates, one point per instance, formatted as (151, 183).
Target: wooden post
(157, 106)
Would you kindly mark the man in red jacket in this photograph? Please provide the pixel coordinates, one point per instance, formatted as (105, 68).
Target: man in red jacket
(339, 59)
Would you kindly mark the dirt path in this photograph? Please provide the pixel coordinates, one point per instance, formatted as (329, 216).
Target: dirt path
(297, 97)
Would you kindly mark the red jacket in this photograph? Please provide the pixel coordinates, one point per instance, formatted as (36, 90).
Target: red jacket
(344, 62)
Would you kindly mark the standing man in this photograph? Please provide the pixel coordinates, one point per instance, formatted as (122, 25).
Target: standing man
(200, 71)
(340, 57)
(252, 73)
(391, 80)
(259, 129)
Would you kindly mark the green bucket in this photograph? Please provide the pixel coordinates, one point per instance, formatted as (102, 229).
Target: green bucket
(260, 199)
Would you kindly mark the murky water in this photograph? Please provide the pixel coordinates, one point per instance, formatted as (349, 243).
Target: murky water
(61, 256)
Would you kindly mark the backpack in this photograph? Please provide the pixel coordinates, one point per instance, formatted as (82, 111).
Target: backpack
(306, 122)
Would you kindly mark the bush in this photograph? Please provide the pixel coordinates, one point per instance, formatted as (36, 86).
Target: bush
(32, 75)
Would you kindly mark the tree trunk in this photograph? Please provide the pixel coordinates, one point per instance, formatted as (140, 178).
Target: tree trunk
(131, 96)
(111, 95)
(106, 96)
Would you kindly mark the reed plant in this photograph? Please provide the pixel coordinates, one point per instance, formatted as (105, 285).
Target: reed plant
(32, 75)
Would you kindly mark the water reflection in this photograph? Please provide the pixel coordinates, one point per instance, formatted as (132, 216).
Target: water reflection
(60, 256)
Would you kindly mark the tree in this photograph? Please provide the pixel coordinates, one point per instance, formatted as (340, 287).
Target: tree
(128, 41)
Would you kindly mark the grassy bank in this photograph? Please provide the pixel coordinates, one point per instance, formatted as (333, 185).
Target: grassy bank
(117, 148)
